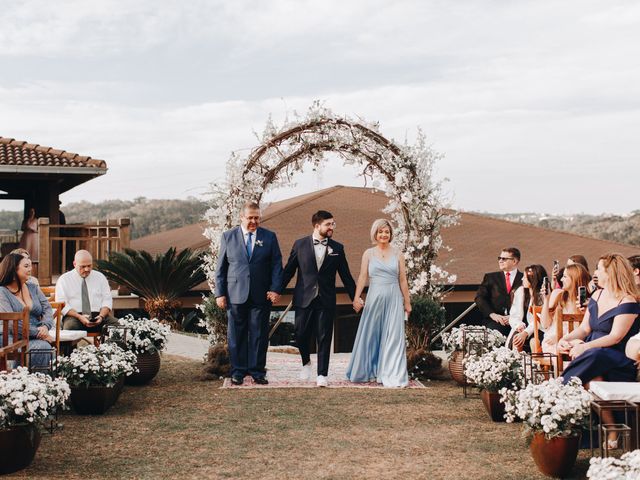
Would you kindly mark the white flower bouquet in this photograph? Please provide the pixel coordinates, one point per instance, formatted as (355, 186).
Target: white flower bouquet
(479, 339)
(549, 407)
(496, 369)
(30, 397)
(627, 467)
(101, 366)
(142, 336)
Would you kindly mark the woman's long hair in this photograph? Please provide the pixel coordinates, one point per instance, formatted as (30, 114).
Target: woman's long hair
(9, 270)
(621, 279)
(535, 274)
(579, 259)
(579, 278)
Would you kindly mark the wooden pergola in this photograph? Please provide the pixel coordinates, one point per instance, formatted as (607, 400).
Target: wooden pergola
(38, 175)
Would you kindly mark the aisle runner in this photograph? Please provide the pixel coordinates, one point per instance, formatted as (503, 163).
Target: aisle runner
(283, 370)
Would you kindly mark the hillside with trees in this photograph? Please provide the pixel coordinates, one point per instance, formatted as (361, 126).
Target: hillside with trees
(157, 215)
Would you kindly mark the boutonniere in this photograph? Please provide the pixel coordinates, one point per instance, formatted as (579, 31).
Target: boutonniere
(259, 243)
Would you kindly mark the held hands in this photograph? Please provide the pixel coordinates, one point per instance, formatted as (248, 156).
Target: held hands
(358, 304)
(501, 319)
(519, 339)
(43, 332)
(221, 302)
(273, 297)
(578, 350)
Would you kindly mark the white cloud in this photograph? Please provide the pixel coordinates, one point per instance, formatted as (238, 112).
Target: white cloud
(528, 100)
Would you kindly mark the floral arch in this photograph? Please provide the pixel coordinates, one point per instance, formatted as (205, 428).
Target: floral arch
(405, 171)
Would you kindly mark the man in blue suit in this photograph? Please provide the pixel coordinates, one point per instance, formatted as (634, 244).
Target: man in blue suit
(248, 281)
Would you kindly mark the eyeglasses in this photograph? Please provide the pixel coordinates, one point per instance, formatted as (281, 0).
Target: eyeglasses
(504, 259)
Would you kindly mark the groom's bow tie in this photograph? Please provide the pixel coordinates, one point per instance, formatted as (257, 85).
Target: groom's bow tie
(320, 242)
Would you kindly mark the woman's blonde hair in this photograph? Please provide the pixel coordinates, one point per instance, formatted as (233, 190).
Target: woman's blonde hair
(621, 277)
(378, 224)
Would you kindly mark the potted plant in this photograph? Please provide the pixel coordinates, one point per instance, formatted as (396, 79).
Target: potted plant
(554, 416)
(625, 467)
(492, 371)
(26, 401)
(462, 341)
(426, 318)
(96, 376)
(146, 338)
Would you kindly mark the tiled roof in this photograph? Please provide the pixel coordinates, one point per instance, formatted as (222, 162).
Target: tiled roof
(475, 242)
(18, 153)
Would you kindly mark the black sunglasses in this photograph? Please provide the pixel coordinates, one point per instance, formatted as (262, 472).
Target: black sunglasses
(504, 259)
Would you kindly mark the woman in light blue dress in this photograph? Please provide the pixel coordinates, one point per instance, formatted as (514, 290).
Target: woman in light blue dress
(379, 351)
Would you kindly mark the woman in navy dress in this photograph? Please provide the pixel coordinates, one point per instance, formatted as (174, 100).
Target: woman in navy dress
(597, 346)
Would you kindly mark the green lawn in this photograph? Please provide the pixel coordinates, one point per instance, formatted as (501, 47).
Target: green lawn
(180, 427)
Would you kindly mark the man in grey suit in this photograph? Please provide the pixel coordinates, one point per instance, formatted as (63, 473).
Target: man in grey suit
(248, 281)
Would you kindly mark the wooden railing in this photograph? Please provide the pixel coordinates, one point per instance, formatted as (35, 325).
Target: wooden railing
(59, 243)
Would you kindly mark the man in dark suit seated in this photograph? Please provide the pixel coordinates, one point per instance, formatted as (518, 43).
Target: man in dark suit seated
(248, 279)
(494, 295)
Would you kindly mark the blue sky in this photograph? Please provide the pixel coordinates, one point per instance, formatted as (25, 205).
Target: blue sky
(535, 105)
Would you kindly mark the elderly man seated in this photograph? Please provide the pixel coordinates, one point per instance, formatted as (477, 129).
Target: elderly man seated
(86, 295)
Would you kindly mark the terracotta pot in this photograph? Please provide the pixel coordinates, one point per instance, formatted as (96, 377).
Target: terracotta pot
(18, 446)
(455, 368)
(148, 366)
(95, 400)
(495, 408)
(555, 457)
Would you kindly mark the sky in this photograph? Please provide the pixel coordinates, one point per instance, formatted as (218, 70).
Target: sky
(535, 105)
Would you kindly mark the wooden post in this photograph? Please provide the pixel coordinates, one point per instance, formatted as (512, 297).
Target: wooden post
(125, 233)
(44, 254)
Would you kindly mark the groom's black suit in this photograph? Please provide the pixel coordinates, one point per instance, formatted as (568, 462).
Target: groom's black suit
(314, 297)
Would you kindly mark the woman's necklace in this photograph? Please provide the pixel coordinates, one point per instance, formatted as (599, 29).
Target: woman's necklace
(384, 253)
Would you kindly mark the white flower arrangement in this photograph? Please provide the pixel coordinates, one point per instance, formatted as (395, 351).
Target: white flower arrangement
(475, 338)
(403, 171)
(30, 397)
(142, 336)
(101, 366)
(627, 467)
(549, 407)
(496, 369)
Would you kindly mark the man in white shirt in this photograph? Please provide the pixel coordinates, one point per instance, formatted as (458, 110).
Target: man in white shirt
(86, 295)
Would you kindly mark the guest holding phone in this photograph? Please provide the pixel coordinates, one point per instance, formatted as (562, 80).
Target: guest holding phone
(573, 277)
(597, 346)
(525, 300)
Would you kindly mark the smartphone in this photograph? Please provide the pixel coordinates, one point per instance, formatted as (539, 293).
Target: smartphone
(545, 284)
(556, 265)
(582, 295)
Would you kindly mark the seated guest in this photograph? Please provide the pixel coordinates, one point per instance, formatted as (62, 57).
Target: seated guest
(525, 299)
(15, 294)
(86, 295)
(597, 346)
(578, 259)
(494, 294)
(564, 298)
(25, 253)
(633, 347)
(635, 265)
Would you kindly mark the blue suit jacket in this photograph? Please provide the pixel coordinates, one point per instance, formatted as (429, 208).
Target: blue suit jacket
(240, 278)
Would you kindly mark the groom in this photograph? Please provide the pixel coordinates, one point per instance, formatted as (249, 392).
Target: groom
(317, 258)
(248, 279)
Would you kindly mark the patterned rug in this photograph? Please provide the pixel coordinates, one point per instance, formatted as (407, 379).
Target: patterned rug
(283, 370)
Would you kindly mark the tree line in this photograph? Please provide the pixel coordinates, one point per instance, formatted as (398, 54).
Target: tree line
(157, 215)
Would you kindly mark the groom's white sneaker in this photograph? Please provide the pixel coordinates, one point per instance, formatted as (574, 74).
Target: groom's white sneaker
(322, 381)
(306, 372)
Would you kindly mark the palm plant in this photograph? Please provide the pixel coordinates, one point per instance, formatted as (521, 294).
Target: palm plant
(159, 280)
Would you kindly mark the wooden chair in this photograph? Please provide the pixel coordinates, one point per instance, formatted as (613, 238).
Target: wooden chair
(49, 292)
(67, 342)
(57, 307)
(536, 311)
(17, 349)
(572, 320)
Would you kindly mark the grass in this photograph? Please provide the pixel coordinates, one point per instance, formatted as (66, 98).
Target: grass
(179, 427)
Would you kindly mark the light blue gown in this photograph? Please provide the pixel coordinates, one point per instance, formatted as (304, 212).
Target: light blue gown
(379, 351)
